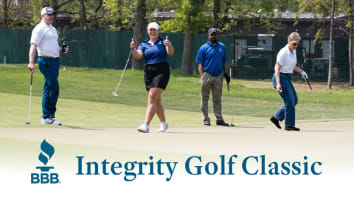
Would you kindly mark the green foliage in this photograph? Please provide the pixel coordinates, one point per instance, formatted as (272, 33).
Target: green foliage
(322, 9)
(190, 17)
(121, 12)
(36, 10)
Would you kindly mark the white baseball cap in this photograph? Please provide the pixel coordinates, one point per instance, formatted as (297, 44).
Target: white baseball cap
(47, 10)
(153, 25)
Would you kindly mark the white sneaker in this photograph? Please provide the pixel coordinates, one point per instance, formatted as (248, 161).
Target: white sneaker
(50, 121)
(163, 127)
(144, 128)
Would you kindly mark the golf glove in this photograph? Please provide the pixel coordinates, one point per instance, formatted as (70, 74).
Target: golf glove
(304, 75)
(227, 77)
(64, 47)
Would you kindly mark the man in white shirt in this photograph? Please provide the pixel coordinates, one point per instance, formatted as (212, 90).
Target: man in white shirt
(44, 39)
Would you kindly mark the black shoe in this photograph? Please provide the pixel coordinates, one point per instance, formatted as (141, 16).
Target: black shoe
(206, 122)
(291, 128)
(275, 121)
(221, 123)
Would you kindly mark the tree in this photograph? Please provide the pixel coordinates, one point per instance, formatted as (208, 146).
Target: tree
(324, 9)
(216, 12)
(330, 57)
(189, 19)
(5, 16)
(348, 6)
(83, 15)
(139, 28)
(14, 13)
(120, 15)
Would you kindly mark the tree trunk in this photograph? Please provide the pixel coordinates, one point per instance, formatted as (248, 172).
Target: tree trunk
(95, 23)
(351, 53)
(216, 11)
(119, 22)
(54, 5)
(83, 15)
(351, 47)
(330, 57)
(5, 14)
(227, 10)
(187, 54)
(139, 28)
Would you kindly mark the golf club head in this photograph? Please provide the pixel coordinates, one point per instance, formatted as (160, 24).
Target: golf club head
(231, 125)
(115, 94)
(27, 123)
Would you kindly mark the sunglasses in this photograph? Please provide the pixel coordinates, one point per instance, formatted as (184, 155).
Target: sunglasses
(295, 44)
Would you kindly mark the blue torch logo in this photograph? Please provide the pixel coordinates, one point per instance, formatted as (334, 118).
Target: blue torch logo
(45, 156)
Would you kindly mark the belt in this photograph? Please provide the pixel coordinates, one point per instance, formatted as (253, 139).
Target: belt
(286, 73)
(48, 57)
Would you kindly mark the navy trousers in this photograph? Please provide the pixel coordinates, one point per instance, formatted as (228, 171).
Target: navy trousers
(287, 111)
(49, 67)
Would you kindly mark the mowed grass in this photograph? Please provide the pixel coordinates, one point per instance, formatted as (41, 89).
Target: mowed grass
(86, 98)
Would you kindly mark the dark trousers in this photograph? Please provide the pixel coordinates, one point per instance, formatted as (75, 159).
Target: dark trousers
(287, 111)
(49, 67)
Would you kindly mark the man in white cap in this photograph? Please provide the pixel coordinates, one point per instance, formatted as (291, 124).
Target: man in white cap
(44, 39)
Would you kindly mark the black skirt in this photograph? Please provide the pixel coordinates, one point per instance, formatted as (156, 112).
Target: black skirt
(156, 75)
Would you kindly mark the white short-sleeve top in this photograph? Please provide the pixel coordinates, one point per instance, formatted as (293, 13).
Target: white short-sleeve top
(286, 59)
(46, 38)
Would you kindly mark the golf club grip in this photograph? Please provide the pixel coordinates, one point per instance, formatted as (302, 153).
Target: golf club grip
(308, 82)
(31, 78)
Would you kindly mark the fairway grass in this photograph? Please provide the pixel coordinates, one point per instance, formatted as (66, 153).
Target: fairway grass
(85, 114)
(86, 99)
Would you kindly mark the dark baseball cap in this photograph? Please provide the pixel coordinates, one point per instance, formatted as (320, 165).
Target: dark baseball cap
(212, 30)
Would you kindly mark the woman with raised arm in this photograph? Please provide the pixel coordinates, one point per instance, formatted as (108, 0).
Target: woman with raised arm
(156, 73)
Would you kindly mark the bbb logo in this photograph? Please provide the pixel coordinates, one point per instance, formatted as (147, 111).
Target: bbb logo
(45, 177)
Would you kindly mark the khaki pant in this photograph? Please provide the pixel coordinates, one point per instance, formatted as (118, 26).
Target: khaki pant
(215, 85)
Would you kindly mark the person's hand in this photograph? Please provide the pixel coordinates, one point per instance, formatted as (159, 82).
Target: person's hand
(132, 44)
(31, 67)
(227, 77)
(64, 47)
(279, 88)
(304, 75)
(166, 42)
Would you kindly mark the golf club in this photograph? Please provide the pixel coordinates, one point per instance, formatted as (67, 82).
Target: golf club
(228, 79)
(323, 116)
(115, 92)
(30, 102)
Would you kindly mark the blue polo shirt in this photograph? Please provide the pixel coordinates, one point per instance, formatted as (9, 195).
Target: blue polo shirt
(153, 54)
(212, 57)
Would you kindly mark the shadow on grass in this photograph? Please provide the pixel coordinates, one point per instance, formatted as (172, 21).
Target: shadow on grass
(80, 128)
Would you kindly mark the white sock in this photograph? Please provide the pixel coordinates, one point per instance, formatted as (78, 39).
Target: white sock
(163, 123)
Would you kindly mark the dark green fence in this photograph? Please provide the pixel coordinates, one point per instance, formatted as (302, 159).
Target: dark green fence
(251, 57)
(256, 56)
(108, 49)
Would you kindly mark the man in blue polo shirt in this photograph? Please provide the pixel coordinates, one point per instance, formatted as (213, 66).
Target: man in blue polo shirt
(212, 64)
